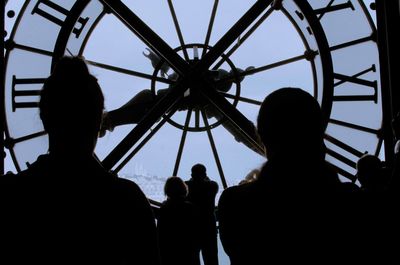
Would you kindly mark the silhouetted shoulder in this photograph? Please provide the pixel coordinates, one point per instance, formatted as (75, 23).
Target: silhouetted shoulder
(226, 195)
(348, 187)
(233, 191)
(7, 183)
(214, 186)
(128, 186)
(236, 197)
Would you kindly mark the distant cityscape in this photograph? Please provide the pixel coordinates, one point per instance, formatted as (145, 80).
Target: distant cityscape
(152, 186)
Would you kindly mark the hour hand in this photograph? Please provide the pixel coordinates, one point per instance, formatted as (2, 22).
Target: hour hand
(224, 80)
(211, 111)
(130, 113)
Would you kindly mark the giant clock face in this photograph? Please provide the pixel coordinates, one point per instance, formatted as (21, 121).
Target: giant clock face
(213, 62)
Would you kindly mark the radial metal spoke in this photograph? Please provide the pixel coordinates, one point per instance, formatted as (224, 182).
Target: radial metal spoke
(10, 142)
(273, 65)
(355, 126)
(343, 172)
(214, 149)
(244, 99)
(11, 44)
(182, 143)
(129, 72)
(178, 30)
(197, 119)
(244, 38)
(343, 145)
(379, 146)
(329, 5)
(232, 35)
(372, 37)
(341, 158)
(142, 143)
(263, 68)
(210, 27)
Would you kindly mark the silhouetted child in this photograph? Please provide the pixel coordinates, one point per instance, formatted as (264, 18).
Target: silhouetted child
(371, 174)
(202, 193)
(66, 208)
(177, 226)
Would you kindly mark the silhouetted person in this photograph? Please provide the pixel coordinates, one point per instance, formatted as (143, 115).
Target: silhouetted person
(66, 208)
(296, 211)
(202, 193)
(379, 216)
(371, 174)
(177, 226)
(394, 184)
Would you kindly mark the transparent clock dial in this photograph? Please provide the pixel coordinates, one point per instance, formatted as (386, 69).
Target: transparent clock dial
(281, 47)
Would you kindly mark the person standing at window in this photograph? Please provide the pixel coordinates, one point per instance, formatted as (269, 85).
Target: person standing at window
(177, 226)
(202, 193)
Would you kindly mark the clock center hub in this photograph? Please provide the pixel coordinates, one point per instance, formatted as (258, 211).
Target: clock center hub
(225, 78)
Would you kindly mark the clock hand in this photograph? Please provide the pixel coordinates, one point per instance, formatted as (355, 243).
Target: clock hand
(156, 112)
(138, 106)
(131, 112)
(229, 77)
(237, 124)
(224, 86)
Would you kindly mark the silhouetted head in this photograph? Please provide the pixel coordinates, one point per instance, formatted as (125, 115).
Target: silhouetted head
(199, 172)
(370, 172)
(71, 105)
(175, 188)
(290, 122)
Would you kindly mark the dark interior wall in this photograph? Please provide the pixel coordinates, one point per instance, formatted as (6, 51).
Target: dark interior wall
(2, 7)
